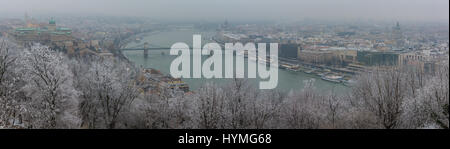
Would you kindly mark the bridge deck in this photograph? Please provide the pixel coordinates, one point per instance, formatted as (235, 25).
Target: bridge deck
(141, 49)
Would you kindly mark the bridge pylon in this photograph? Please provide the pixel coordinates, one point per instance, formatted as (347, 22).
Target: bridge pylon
(146, 49)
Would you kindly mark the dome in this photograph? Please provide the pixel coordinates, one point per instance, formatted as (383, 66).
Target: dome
(52, 21)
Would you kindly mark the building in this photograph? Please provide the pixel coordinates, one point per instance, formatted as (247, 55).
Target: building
(419, 60)
(289, 50)
(153, 81)
(48, 34)
(337, 56)
(316, 57)
(377, 58)
(346, 56)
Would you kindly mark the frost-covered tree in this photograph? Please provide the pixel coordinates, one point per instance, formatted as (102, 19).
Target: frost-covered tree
(429, 109)
(168, 110)
(300, 110)
(236, 106)
(50, 95)
(334, 108)
(239, 95)
(10, 106)
(6, 61)
(210, 107)
(107, 89)
(264, 111)
(382, 95)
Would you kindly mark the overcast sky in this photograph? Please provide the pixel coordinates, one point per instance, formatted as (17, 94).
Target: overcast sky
(408, 10)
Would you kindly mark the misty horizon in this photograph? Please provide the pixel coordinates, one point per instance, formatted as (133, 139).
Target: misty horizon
(234, 10)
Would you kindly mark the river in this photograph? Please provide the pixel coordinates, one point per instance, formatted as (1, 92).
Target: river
(161, 60)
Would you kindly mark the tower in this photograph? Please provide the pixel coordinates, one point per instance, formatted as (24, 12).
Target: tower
(397, 35)
(146, 49)
(52, 24)
(27, 20)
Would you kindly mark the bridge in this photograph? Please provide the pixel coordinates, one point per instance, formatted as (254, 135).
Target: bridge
(140, 49)
(145, 47)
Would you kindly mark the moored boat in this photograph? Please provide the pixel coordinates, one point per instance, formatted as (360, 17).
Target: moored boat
(332, 78)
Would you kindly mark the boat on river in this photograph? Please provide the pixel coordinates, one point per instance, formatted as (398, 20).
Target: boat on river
(333, 78)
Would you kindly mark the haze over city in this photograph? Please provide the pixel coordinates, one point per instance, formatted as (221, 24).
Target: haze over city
(386, 10)
(228, 64)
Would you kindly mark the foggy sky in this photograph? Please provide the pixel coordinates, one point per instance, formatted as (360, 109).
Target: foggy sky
(408, 10)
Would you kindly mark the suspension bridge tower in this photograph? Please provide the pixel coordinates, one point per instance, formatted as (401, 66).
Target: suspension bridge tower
(146, 49)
